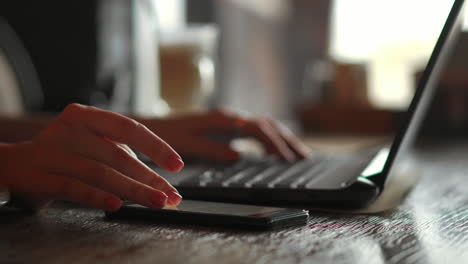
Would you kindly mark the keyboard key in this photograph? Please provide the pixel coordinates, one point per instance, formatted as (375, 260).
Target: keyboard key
(196, 179)
(241, 177)
(233, 173)
(316, 171)
(264, 178)
(303, 171)
(216, 176)
(312, 173)
(293, 171)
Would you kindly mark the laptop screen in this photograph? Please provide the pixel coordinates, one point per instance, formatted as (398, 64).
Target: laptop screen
(412, 65)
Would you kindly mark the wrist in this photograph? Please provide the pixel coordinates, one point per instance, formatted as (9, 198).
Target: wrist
(17, 129)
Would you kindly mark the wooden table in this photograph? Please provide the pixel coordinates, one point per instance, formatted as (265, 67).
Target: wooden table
(430, 226)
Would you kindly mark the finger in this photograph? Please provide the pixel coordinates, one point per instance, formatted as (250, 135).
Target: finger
(105, 178)
(127, 149)
(260, 129)
(121, 158)
(272, 141)
(123, 130)
(207, 149)
(293, 143)
(68, 189)
(141, 172)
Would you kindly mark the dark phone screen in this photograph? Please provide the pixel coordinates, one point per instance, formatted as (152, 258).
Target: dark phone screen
(203, 207)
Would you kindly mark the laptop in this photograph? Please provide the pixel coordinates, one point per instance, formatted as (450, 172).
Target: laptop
(321, 180)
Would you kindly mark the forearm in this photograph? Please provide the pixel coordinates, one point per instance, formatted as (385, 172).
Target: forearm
(20, 128)
(14, 129)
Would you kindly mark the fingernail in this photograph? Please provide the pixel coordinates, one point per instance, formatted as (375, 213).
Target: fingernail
(158, 200)
(113, 204)
(173, 198)
(174, 163)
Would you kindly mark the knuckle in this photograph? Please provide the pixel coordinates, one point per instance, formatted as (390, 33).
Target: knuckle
(73, 108)
(70, 113)
(127, 124)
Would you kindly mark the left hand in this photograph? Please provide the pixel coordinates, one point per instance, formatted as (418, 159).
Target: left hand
(81, 156)
(189, 135)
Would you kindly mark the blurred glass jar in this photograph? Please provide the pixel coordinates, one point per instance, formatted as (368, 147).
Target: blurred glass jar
(128, 78)
(187, 64)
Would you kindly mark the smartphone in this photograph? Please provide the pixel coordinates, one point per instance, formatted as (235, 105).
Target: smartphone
(205, 213)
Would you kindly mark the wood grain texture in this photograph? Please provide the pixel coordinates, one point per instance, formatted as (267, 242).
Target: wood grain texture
(430, 226)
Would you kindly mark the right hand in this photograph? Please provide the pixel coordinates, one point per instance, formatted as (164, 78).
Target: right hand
(82, 156)
(189, 135)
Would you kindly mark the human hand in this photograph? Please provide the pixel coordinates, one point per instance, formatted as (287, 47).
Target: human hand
(189, 135)
(81, 157)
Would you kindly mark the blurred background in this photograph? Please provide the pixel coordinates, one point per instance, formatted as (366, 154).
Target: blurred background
(329, 66)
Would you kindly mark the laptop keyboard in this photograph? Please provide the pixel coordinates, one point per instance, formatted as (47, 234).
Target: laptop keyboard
(269, 172)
